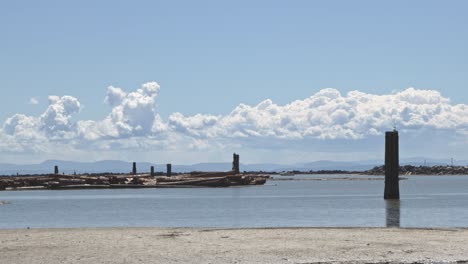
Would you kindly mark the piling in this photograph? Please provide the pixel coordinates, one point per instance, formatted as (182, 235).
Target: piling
(56, 170)
(235, 163)
(392, 189)
(134, 170)
(152, 171)
(169, 170)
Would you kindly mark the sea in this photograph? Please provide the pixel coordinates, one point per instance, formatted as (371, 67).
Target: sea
(284, 201)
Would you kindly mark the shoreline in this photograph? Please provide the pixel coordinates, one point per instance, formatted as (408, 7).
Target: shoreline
(273, 177)
(238, 245)
(208, 229)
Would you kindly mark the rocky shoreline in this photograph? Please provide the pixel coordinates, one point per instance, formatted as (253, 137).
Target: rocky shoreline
(380, 170)
(422, 170)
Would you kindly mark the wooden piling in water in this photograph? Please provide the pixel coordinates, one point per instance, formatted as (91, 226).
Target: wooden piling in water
(134, 170)
(235, 163)
(169, 170)
(392, 188)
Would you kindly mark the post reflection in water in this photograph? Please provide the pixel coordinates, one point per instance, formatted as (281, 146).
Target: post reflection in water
(392, 213)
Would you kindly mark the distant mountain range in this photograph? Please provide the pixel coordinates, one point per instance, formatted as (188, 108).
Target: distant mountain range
(117, 166)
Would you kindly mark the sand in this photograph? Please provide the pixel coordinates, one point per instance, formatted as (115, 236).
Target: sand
(279, 245)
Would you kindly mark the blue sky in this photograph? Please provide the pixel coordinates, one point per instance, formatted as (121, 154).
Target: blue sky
(210, 56)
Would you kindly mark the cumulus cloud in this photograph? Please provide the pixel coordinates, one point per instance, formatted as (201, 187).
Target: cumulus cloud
(326, 116)
(330, 115)
(114, 96)
(132, 115)
(22, 133)
(21, 126)
(135, 114)
(54, 123)
(56, 120)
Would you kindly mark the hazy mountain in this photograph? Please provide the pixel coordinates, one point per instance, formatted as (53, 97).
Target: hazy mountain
(124, 167)
(116, 166)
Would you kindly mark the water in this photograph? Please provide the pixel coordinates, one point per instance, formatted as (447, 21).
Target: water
(426, 201)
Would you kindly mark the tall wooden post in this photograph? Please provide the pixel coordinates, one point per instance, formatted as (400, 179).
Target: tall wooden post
(152, 171)
(235, 164)
(169, 170)
(134, 170)
(392, 188)
(56, 170)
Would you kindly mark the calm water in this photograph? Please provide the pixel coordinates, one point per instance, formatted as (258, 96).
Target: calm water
(426, 201)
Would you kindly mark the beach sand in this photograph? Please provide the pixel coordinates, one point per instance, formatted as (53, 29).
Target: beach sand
(276, 245)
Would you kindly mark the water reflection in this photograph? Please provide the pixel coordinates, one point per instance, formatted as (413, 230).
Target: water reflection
(392, 213)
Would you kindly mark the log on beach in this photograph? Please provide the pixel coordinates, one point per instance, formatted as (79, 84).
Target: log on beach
(207, 182)
(211, 174)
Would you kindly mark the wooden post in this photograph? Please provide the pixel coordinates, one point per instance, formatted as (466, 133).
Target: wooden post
(169, 170)
(152, 171)
(56, 170)
(134, 170)
(235, 164)
(392, 189)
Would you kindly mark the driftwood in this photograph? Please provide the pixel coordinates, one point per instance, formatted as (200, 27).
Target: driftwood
(208, 182)
(211, 174)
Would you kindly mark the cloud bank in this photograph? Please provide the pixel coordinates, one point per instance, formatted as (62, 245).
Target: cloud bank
(327, 116)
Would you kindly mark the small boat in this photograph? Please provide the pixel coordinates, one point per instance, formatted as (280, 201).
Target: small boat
(287, 173)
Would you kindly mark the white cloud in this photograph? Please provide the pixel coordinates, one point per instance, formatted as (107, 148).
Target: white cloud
(114, 96)
(54, 123)
(33, 101)
(133, 114)
(36, 133)
(327, 116)
(56, 120)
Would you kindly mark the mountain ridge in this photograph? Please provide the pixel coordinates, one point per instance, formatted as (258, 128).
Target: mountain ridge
(118, 166)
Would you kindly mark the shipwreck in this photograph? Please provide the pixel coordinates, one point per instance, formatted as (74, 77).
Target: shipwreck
(57, 181)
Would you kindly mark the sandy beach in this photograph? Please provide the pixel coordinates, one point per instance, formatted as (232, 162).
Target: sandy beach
(279, 245)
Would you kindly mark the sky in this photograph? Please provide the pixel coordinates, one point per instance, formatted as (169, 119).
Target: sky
(195, 81)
